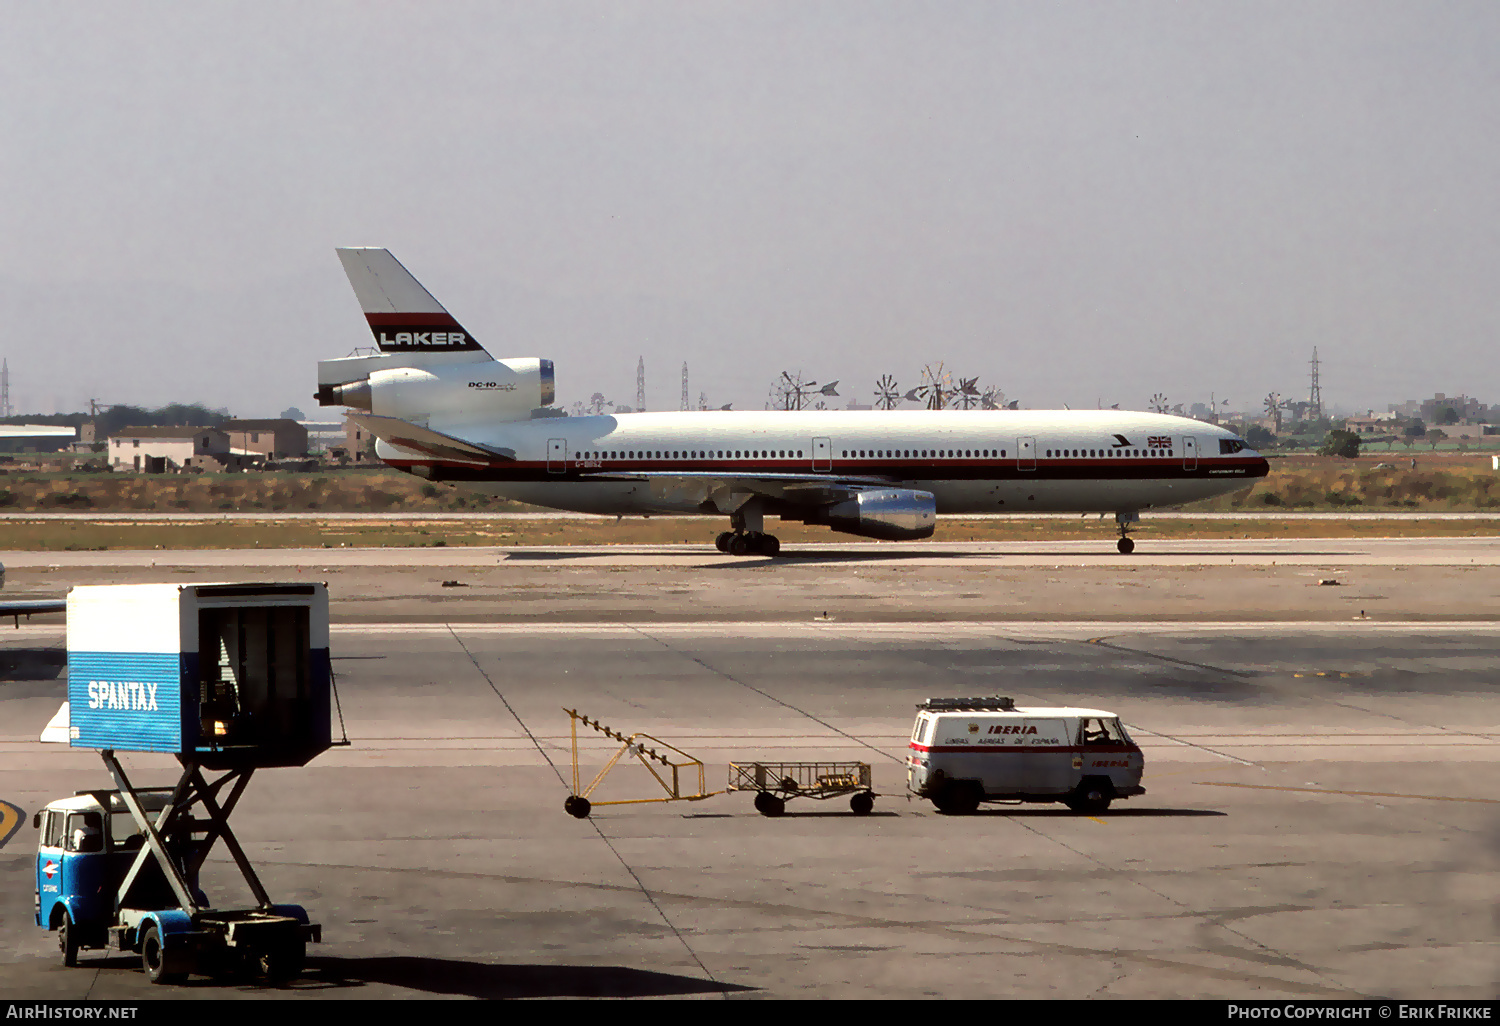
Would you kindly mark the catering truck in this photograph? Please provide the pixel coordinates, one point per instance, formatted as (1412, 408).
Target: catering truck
(970, 750)
(226, 678)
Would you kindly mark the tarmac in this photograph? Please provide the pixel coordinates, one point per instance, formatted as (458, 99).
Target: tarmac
(1321, 816)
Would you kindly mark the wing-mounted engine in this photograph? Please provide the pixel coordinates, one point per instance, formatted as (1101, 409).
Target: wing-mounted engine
(891, 514)
(496, 390)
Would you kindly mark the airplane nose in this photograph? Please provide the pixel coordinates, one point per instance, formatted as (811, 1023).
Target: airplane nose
(1261, 467)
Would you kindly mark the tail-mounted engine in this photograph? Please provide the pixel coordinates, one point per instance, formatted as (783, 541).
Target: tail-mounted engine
(495, 390)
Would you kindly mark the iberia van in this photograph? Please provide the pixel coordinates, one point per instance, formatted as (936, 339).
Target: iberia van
(970, 750)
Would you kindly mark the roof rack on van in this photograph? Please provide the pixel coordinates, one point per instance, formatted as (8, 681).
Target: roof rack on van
(968, 704)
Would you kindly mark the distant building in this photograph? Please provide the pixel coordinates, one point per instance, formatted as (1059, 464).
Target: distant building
(273, 439)
(159, 449)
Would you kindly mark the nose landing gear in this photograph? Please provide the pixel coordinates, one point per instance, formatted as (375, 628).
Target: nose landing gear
(1123, 521)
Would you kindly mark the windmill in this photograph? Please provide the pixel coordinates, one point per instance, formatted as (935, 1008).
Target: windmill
(790, 392)
(1273, 410)
(992, 399)
(887, 393)
(936, 390)
(1159, 403)
(968, 393)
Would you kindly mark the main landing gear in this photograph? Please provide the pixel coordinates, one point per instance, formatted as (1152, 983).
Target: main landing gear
(1123, 521)
(747, 543)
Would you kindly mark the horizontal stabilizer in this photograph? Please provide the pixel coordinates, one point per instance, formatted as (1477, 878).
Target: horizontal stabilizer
(426, 442)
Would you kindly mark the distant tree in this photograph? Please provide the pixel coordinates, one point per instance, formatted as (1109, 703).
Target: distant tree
(292, 413)
(1450, 416)
(1258, 437)
(1340, 443)
(171, 415)
(1435, 436)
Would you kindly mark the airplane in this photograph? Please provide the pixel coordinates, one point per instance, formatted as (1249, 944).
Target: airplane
(27, 607)
(442, 408)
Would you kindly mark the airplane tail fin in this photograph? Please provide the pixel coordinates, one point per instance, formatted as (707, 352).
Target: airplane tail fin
(403, 316)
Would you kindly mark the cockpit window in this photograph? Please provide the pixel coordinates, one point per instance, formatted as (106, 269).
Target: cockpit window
(1230, 446)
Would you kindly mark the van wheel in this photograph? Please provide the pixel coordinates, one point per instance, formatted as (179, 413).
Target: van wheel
(958, 799)
(67, 941)
(1092, 797)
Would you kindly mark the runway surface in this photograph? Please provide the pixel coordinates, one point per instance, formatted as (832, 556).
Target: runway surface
(1320, 821)
(1379, 552)
(1226, 580)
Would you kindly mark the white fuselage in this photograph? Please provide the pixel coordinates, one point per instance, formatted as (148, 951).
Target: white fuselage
(971, 461)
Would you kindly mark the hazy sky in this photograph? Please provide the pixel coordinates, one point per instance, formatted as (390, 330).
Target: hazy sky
(1078, 202)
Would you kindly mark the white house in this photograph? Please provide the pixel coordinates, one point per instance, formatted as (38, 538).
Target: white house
(133, 448)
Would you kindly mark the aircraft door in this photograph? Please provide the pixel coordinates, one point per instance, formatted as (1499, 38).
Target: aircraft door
(557, 455)
(1025, 453)
(1189, 453)
(822, 455)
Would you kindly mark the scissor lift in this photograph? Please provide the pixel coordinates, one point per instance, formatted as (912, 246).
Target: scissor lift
(231, 678)
(776, 783)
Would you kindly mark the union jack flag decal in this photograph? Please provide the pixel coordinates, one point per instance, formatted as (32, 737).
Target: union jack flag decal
(1159, 442)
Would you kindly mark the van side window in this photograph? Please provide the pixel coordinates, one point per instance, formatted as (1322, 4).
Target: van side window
(916, 731)
(1095, 730)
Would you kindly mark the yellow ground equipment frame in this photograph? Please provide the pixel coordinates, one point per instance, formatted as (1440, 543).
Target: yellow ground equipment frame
(578, 803)
(776, 783)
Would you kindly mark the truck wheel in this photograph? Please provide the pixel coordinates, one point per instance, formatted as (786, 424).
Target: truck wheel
(862, 803)
(578, 807)
(154, 957)
(67, 941)
(282, 963)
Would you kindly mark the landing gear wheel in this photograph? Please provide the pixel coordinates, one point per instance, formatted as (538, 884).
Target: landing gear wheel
(1091, 798)
(768, 804)
(722, 541)
(154, 957)
(282, 963)
(862, 803)
(769, 545)
(577, 806)
(67, 941)
(1126, 546)
(739, 545)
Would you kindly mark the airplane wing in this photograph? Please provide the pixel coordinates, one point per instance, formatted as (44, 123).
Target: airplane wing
(25, 607)
(426, 442)
(718, 487)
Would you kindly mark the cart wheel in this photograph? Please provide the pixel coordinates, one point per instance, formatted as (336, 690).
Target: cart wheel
(862, 803)
(577, 806)
(772, 806)
(760, 802)
(67, 941)
(154, 957)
